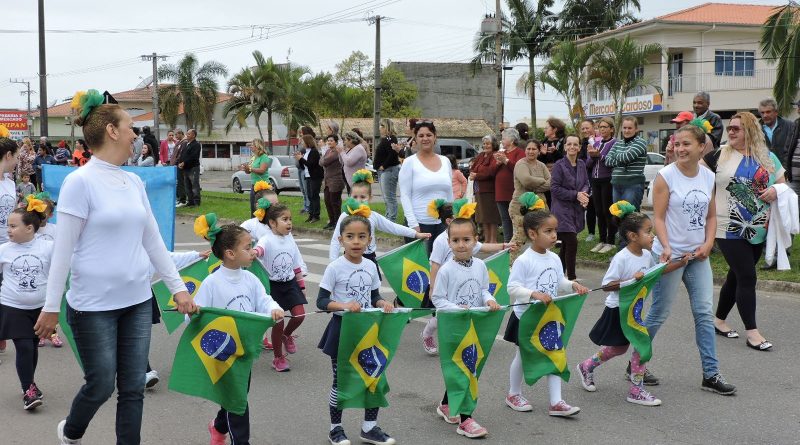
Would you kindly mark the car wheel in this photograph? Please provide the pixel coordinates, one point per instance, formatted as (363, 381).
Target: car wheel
(274, 186)
(237, 186)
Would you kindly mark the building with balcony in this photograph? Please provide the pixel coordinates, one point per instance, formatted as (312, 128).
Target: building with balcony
(713, 47)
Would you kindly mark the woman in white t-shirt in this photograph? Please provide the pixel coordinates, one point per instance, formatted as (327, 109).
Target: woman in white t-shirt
(685, 224)
(424, 177)
(105, 241)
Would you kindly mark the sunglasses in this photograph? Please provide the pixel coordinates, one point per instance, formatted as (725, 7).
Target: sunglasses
(421, 123)
(734, 129)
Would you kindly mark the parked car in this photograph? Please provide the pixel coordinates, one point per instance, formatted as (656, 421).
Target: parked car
(282, 176)
(655, 162)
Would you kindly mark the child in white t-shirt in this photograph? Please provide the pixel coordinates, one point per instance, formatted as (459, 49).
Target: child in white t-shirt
(350, 283)
(25, 262)
(233, 288)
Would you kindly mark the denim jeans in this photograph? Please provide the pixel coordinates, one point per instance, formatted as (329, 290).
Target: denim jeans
(191, 181)
(303, 189)
(505, 217)
(312, 187)
(697, 278)
(632, 193)
(388, 180)
(113, 347)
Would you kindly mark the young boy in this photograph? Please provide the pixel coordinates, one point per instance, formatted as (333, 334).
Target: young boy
(25, 188)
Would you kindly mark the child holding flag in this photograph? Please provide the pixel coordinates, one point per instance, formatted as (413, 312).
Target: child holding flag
(358, 204)
(537, 275)
(350, 284)
(463, 283)
(232, 287)
(441, 253)
(25, 261)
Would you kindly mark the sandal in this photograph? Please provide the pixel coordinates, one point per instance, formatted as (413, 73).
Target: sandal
(728, 334)
(763, 346)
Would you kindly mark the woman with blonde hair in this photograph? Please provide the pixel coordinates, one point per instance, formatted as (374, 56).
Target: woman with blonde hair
(746, 172)
(258, 168)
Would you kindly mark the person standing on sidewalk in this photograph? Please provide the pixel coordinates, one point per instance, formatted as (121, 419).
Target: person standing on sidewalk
(313, 176)
(628, 158)
(504, 179)
(600, 183)
(258, 168)
(387, 163)
(180, 145)
(190, 164)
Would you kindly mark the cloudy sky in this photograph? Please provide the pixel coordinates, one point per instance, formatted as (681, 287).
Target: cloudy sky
(97, 43)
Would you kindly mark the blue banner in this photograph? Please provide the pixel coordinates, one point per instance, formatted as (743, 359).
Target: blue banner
(159, 182)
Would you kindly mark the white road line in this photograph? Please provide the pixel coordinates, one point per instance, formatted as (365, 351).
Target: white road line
(304, 240)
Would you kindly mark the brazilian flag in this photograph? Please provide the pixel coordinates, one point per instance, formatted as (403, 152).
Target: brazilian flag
(544, 331)
(256, 268)
(215, 356)
(65, 327)
(631, 305)
(407, 270)
(368, 341)
(192, 276)
(499, 267)
(465, 341)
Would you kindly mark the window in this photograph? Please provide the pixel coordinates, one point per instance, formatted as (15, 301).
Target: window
(223, 151)
(675, 68)
(734, 63)
(637, 73)
(208, 151)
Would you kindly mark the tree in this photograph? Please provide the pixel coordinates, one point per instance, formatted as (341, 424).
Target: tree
(397, 94)
(584, 18)
(293, 103)
(527, 33)
(348, 101)
(566, 73)
(612, 68)
(243, 104)
(356, 71)
(780, 42)
(193, 86)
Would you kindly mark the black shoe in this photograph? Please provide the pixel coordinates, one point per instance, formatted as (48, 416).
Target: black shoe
(309, 219)
(313, 219)
(31, 398)
(649, 378)
(337, 436)
(774, 265)
(727, 334)
(377, 437)
(763, 346)
(328, 226)
(717, 384)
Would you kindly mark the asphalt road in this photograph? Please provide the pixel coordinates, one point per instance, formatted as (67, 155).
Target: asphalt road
(291, 408)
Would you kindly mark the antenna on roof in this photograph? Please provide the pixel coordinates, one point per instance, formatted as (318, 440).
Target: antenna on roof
(147, 81)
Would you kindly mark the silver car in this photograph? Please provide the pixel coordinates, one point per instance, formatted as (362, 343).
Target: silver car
(282, 176)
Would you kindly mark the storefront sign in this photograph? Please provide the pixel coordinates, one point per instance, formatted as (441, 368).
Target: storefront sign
(648, 103)
(16, 122)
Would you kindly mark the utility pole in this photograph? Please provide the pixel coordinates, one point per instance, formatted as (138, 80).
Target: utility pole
(42, 75)
(498, 65)
(154, 57)
(28, 92)
(376, 130)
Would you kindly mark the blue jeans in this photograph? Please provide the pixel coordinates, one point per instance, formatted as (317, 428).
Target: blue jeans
(632, 193)
(113, 347)
(505, 218)
(697, 278)
(388, 180)
(302, 183)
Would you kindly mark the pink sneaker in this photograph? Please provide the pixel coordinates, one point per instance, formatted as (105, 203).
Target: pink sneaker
(641, 396)
(56, 341)
(217, 438)
(561, 409)
(288, 341)
(280, 364)
(429, 344)
(444, 412)
(471, 429)
(266, 344)
(518, 403)
(587, 378)
(41, 343)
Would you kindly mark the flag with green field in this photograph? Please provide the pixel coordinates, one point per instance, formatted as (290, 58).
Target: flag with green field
(499, 268)
(631, 306)
(407, 270)
(192, 276)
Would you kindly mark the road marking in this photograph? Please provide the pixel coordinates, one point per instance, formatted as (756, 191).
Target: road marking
(304, 240)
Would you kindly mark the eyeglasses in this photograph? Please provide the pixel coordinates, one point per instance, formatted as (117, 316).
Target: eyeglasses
(734, 128)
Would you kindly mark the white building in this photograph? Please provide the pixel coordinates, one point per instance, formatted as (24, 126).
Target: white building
(713, 47)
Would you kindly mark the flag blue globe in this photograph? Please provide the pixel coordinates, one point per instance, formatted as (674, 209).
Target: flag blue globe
(218, 345)
(550, 336)
(637, 310)
(372, 360)
(469, 356)
(417, 282)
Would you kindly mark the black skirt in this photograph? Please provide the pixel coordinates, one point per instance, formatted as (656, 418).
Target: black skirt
(329, 343)
(287, 294)
(17, 323)
(374, 258)
(512, 329)
(607, 331)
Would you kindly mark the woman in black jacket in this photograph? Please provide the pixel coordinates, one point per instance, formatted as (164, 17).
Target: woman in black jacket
(313, 175)
(387, 164)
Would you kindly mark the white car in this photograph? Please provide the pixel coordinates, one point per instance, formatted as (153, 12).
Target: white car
(655, 162)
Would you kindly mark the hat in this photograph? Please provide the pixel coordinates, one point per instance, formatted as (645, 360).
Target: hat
(683, 116)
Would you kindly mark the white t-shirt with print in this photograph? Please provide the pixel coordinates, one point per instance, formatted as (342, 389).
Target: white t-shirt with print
(457, 285)
(236, 290)
(255, 228)
(536, 272)
(47, 232)
(8, 202)
(623, 267)
(348, 282)
(441, 251)
(281, 256)
(25, 270)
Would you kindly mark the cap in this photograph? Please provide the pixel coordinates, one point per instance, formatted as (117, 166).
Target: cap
(683, 116)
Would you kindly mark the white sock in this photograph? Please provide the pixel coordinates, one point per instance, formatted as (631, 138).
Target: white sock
(516, 376)
(430, 328)
(367, 425)
(334, 425)
(554, 384)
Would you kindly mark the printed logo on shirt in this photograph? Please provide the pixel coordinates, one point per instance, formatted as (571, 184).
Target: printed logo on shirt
(694, 206)
(45, 236)
(359, 287)
(7, 204)
(240, 303)
(547, 282)
(282, 267)
(26, 269)
(468, 293)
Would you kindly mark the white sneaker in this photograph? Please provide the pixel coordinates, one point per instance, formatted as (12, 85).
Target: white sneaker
(597, 247)
(518, 403)
(606, 248)
(150, 379)
(63, 438)
(180, 204)
(429, 344)
(589, 238)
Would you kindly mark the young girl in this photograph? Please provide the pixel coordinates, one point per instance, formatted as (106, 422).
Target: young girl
(280, 256)
(258, 227)
(47, 232)
(442, 253)
(455, 288)
(25, 261)
(232, 287)
(537, 275)
(358, 204)
(459, 181)
(629, 263)
(343, 289)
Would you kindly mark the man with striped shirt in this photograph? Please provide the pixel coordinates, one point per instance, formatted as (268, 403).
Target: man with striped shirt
(628, 158)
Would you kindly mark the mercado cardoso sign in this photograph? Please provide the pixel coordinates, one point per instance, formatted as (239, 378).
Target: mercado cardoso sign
(647, 103)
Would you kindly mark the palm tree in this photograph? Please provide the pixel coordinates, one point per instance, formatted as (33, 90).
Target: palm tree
(527, 33)
(294, 104)
(780, 41)
(612, 68)
(566, 73)
(193, 86)
(583, 18)
(318, 91)
(243, 88)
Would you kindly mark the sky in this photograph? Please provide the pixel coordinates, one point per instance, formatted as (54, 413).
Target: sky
(98, 43)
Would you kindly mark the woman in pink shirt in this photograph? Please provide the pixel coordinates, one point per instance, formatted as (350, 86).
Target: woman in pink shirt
(459, 181)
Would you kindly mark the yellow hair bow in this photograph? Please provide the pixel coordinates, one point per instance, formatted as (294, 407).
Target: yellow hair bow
(434, 206)
(621, 208)
(261, 185)
(4, 133)
(261, 208)
(76, 100)
(205, 226)
(35, 205)
(353, 207)
(463, 208)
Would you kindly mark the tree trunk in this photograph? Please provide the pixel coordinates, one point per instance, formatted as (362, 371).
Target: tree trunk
(258, 127)
(531, 69)
(269, 130)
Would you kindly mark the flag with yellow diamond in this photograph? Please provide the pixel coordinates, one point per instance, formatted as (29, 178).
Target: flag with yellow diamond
(631, 311)
(544, 331)
(192, 275)
(368, 341)
(215, 356)
(465, 341)
(407, 270)
(499, 268)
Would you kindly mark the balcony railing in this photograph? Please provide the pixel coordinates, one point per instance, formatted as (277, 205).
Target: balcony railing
(756, 80)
